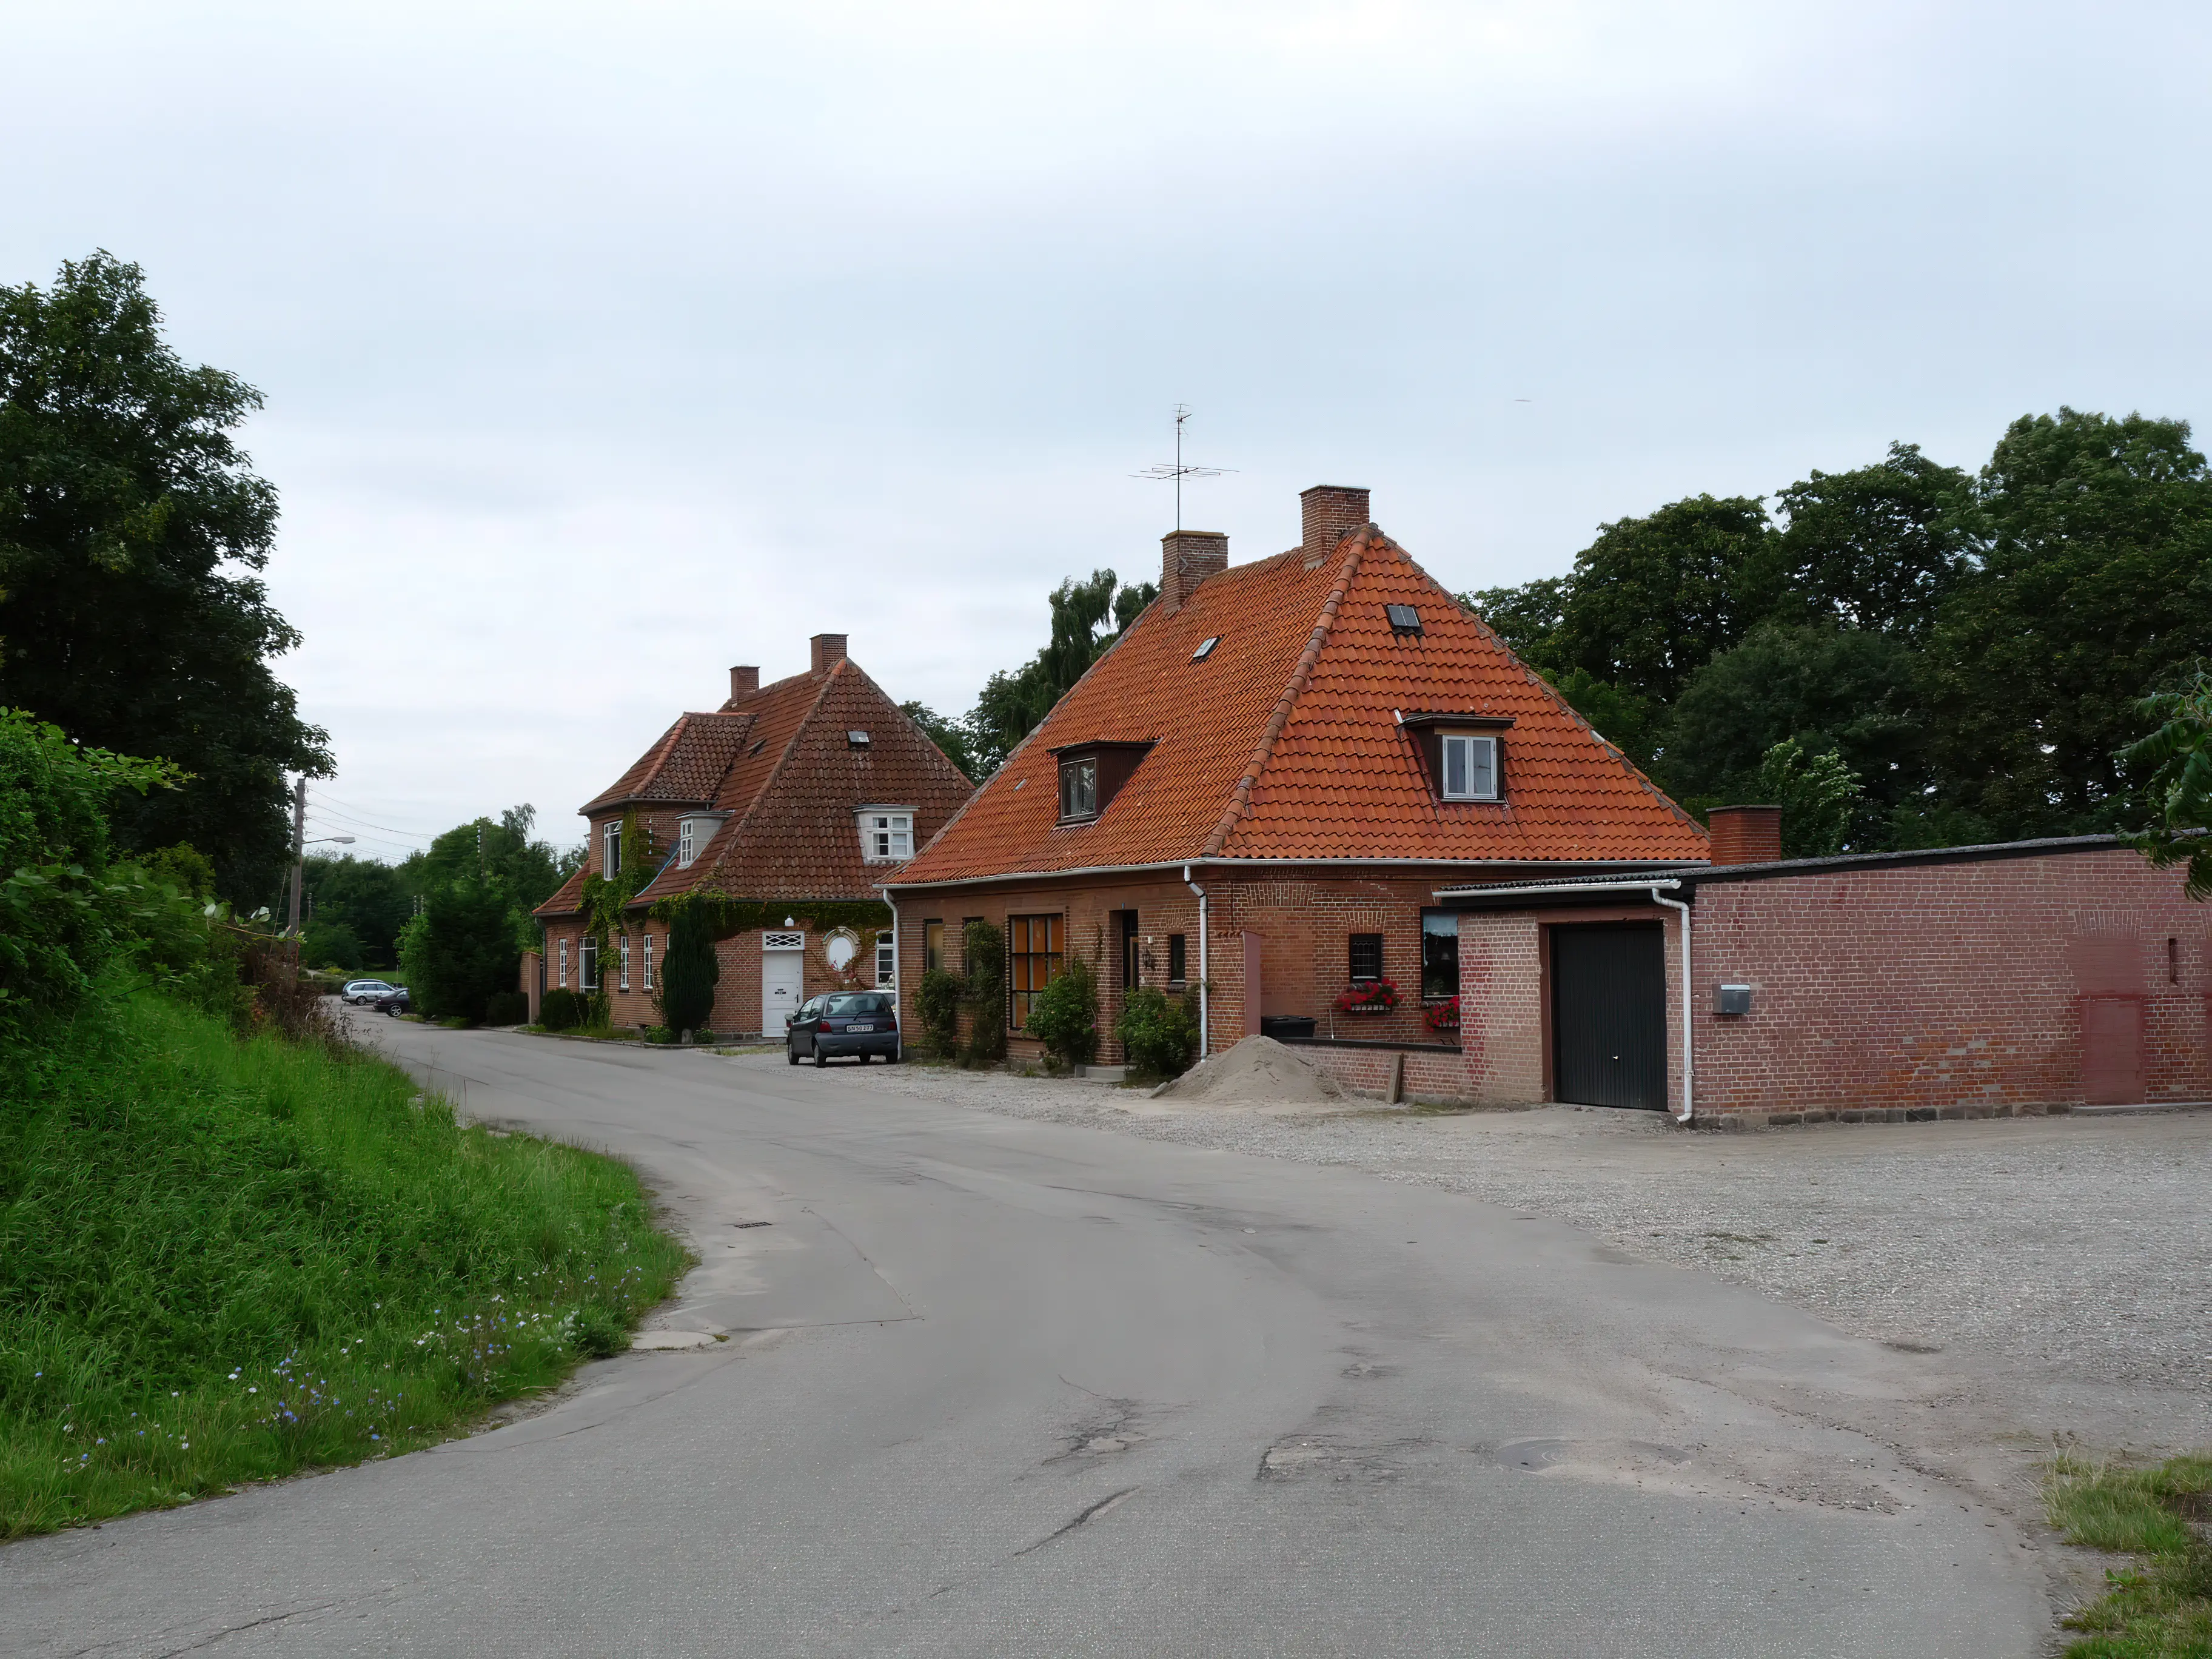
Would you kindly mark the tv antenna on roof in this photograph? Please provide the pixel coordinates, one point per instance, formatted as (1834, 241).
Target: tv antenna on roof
(1179, 472)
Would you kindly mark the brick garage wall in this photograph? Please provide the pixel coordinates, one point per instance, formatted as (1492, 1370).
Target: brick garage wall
(1949, 989)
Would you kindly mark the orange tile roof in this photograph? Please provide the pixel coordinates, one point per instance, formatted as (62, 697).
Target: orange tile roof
(1285, 743)
(789, 783)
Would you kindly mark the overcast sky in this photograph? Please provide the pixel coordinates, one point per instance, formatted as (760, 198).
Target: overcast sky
(606, 347)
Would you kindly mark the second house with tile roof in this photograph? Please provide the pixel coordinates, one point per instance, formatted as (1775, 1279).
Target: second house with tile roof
(1255, 794)
(795, 798)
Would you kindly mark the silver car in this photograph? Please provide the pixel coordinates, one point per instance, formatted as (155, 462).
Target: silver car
(362, 992)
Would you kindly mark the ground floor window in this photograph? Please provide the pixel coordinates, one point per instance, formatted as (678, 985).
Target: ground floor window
(886, 960)
(1178, 960)
(1366, 953)
(648, 961)
(564, 965)
(933, 947)
(1033, 960)
(1439, 954)
(588, 964)
(622, 972)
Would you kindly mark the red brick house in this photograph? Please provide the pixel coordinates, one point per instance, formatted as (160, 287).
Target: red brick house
(798, 796)
(1258, 791)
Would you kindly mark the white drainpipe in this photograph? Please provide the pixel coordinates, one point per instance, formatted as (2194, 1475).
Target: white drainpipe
(1204, 1031)
(1689, 1050)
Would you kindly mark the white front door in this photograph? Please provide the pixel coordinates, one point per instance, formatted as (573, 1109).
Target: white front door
(783, 958)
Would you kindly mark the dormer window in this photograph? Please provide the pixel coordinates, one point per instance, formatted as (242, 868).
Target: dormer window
(1470, 766)
(1078, 788)
(1464, 754)
(886, 834)
(1093, 774)
(692, 834)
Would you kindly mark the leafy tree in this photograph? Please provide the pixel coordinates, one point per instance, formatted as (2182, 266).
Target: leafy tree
(1528, 618)
(371, 900)
(330, 942)
(690, 972)
(1848, 689)
(950, 732)
(1654, 599)
(2094, 580)
(1818, 796)
(2173, 803)
(460, 951)
(130, 523)
(1011, 705)
(1880, 548)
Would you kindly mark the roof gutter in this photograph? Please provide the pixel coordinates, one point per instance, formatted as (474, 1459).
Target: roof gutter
(1508, 890)
(1281, 864)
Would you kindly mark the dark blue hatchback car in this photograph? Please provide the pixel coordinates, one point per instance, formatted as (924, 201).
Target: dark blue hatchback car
(856, 1023)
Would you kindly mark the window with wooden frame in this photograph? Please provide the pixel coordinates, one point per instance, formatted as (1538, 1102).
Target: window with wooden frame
(1366, 953)
(1078, 788)
(622, 971)
(933, 947)
(1464, 754)
(1033, 961)
(886, 962)
(588, 964)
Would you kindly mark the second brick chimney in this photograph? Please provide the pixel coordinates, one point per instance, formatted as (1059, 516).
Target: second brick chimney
(745, 680)
(829, 651)
(1327, 513)
(1746, 835)
(1188, 557)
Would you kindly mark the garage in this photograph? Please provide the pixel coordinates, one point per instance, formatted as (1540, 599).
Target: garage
(1609, 1014)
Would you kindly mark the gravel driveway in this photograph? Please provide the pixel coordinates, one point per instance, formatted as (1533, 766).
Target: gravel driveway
(2075, 1251)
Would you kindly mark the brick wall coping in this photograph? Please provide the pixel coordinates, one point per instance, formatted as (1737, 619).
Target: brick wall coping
(1516, 895)
(1369, 1042)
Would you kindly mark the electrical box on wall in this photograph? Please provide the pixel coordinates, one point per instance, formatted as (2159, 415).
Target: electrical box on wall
(1731, 999)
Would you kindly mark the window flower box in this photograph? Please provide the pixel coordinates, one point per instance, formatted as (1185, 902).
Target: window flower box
(1368, 996)
(1442, 1016)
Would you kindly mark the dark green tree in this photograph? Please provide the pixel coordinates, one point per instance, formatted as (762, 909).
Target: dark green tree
(1527, 617)
(372, 901)
(1012, 704)
(690, 972)
(1849, 689)
(460, 952)
(1880, 548)
(2171, 808)
(1654, 599)
(1818, 796)
(130, 526)
(2094, 582)
(949, 732)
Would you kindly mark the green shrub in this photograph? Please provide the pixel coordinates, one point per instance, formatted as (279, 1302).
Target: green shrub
(937, 1004)
(507, 1008)
(690, 971)
(561, 1009)
(460, 952)
(983, 950)
(1064, 1016)
(1158, 1033)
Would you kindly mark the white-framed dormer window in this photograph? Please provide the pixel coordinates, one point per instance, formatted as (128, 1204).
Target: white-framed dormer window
(610, 850)
(687, 843)
(1470, 767)
(886, 834)
(622, 982)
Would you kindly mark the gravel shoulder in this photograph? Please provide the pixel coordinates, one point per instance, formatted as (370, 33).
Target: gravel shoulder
(2076, 1253)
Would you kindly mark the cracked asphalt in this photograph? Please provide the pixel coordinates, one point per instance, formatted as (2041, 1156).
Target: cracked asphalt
(983, 1385)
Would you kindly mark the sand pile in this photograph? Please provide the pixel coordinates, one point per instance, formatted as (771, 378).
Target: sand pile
(1257, 1072)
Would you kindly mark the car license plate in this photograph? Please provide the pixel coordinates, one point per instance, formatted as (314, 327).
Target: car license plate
(860, 1027)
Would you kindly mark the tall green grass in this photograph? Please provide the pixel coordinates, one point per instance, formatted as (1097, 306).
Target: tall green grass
(2163, 1609)
(224, 1261)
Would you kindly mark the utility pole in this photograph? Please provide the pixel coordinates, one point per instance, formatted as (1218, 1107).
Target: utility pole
(299, 855)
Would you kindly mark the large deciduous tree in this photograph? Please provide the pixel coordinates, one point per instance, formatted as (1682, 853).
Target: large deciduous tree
(130, 524)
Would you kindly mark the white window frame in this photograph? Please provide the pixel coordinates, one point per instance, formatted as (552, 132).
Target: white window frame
(564, 963)
(622, 982)
(1464, 743)
(588, 964)
(610, 850)
(886, 962)
(886, 834)
(648, 961)
(686, 849)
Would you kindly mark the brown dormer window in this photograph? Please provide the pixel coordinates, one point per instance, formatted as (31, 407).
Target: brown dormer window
(1093, 774)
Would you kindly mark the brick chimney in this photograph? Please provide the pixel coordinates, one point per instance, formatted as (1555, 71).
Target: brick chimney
(1188, 557)
(1330, 512)
(744, 682)
(1746, 835)
(829, 651)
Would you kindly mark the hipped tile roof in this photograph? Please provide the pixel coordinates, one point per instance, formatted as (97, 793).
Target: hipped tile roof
(1285, 742)
(779, 764)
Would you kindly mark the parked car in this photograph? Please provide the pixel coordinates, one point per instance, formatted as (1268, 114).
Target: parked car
(394, 1001)
(362, 992)
(856, 1023)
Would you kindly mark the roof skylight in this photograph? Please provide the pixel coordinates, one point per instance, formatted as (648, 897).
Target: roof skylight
(1404, 619)
(1204, 649)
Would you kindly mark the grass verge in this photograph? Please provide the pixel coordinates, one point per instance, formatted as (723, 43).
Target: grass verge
(2163, 1609)
(223, 1261)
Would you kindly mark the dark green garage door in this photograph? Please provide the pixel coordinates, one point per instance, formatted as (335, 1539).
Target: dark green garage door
(1609, 1014)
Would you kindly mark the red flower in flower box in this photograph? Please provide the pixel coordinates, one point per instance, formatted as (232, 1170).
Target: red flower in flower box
(1442, 1016)
(1368, 996)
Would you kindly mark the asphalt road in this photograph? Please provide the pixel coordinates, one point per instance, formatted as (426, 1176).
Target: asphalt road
(998, 1387)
